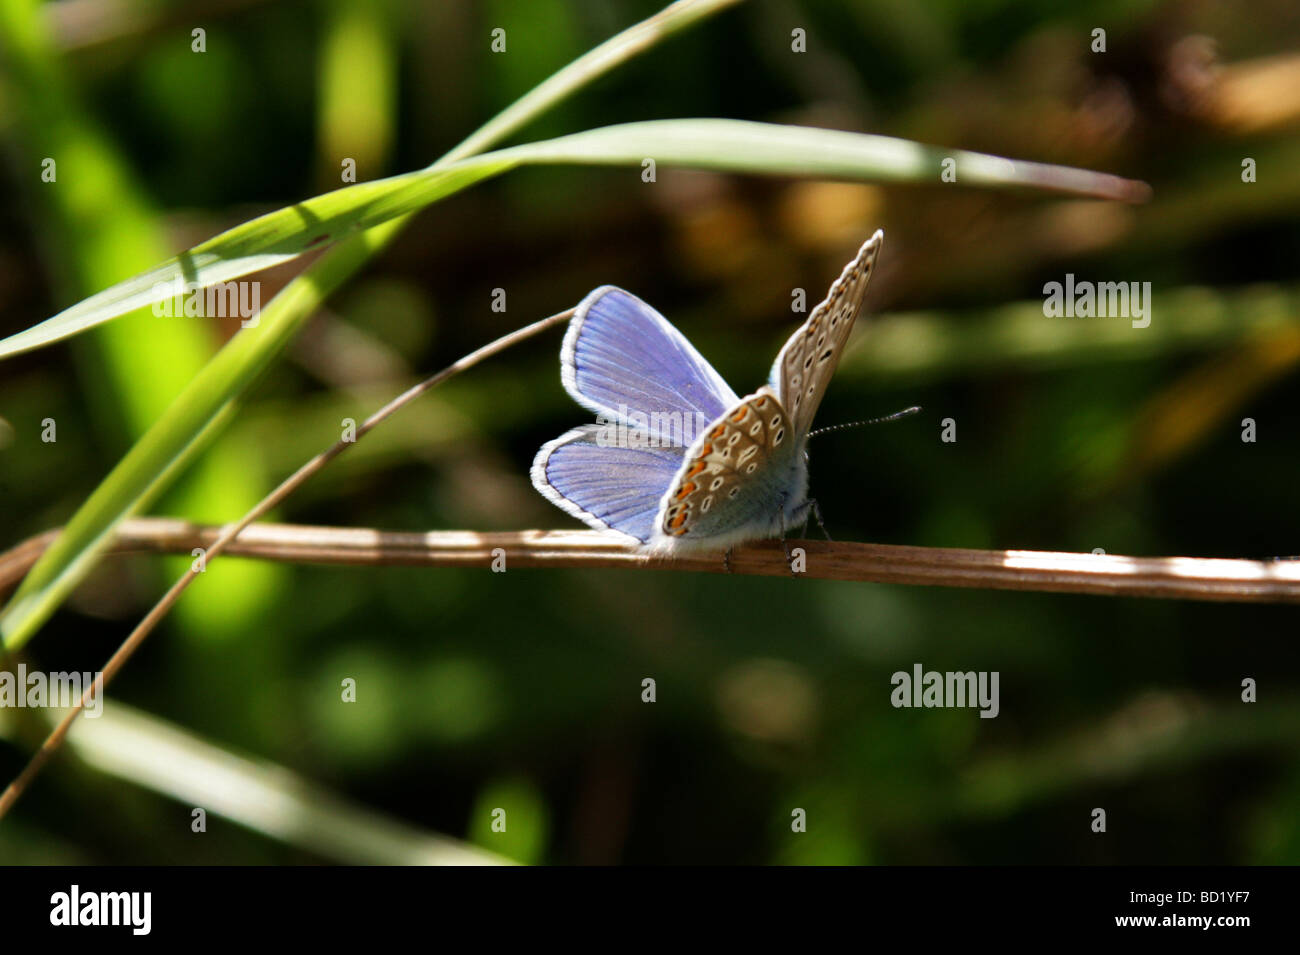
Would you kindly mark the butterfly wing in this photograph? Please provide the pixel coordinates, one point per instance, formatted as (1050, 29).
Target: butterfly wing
(739, 481)
(606, 486)
(620, 354)
(804, 366)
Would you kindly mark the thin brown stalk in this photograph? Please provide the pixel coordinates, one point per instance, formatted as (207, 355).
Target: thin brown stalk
(1186, 578)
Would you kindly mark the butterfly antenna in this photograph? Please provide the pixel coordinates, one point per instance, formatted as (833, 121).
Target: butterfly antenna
(905, 413)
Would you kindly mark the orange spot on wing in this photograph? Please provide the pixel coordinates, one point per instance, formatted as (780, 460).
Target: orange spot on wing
(678, 521)
(699, 466)
(685, 489)
(740, 414)
(719, 431)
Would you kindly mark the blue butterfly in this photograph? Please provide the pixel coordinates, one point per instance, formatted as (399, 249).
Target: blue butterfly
(677, 461)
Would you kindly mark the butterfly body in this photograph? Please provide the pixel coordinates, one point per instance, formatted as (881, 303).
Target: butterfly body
(738, 472)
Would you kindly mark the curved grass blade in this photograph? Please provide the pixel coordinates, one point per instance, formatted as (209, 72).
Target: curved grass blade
(261, 243)
(719, 144)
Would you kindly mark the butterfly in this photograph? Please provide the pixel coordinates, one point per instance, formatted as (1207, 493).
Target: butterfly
(728, 469)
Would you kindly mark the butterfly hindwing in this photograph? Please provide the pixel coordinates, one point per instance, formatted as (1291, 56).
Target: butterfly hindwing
(736, 478)
(804, 366)
(606, 486)
(621, 355)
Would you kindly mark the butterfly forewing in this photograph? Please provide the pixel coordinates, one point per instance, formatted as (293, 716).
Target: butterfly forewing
(620, 356)
(714, 492)
(806, 363)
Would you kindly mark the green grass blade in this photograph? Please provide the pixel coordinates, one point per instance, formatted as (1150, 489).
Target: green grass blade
(598, 61)
(261, 243)
(733, 145)
(265, 797)
(719, 144)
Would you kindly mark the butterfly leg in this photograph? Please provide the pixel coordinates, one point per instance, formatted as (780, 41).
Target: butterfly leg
(789, 560)
(785, 544)
(817, 513)
(726, 559)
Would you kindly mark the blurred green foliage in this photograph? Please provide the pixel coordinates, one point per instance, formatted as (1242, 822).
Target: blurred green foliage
(522, 691)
